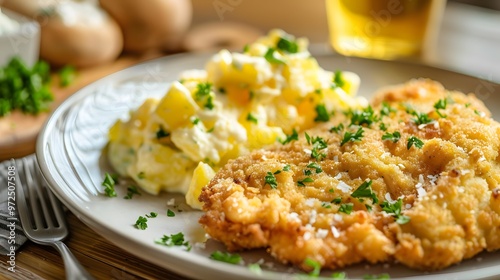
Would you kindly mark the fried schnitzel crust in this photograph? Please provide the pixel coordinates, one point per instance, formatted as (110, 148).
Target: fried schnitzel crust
(448, 187)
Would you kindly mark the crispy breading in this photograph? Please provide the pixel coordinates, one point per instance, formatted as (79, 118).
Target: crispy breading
(448, 187)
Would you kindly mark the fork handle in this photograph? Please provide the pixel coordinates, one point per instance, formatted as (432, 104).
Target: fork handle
(74, 270)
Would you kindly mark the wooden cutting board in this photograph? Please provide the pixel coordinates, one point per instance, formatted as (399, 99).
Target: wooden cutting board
(18, 131)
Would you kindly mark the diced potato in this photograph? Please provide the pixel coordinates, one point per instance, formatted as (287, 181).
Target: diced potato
(202, 175)
(176, 107)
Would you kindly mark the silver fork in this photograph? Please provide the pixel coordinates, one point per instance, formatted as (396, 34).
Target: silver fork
(42, 215)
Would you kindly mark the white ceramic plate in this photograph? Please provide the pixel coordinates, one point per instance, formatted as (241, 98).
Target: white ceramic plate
(70, 152)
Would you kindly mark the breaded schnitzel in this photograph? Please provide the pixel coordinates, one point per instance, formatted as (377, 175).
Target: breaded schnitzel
(414, 178)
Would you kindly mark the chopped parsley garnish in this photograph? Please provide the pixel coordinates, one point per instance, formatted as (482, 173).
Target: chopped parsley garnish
(413, 140)
(386, 109)
(203, 93)
(322, 114)
(269, 56)
(421, 118)
(382, 126)
(195, 120)
(365, 190)
(270, 179)
(288, 46)
(337, 200)
(394, 137)
(141, 175)
(338, 79)
(67, 75)
(210, 103)
(292, 137)
(395, 209)
(141, 223)
(246, 48)
(318, 145)
(315, 265)
(131, 191)
(170, 213)
(226, 257)
(352, 137)
(255, 268)
(302, 183)
(25, 89)
(174, 240)
(441, 104)
(337, 128)
(152, 215)
(360, 117)
(109, 185)
(339, 276)
(382, 276)
(346, 208)
(326, 205)
(252, 118)
(161, 133)
(315, 166)
(202, 90)
(286, 167)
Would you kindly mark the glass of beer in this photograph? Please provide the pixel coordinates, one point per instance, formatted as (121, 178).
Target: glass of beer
(383, 29)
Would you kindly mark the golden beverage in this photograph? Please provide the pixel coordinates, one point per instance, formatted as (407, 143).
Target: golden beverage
(383, 29)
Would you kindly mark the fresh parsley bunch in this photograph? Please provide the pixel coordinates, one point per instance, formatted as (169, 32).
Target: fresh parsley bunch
(25, 89)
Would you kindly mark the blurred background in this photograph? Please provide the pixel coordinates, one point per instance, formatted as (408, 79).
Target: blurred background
(468, 35)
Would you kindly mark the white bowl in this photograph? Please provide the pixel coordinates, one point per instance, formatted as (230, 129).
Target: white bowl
(24, 43)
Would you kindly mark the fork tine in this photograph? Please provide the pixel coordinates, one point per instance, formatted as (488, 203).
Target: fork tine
(22, 205)
(59, 220)
(33, 196)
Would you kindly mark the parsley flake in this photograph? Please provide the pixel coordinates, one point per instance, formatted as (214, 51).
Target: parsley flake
(421, 118)
(395, 209)
(346, 208)
(252, 118)
(352, 137)
(337, 200)
(288, 46)
(386, 109)
(152, 215)
(292, 137)
(413, 140)
(141, 223)
(315, 166)
(338, 80)
(318, 145)
(286, 167)
(315, 265)
(174, 240)
(170, 213)
(270, 180)
(360, 117)
(109, 185)
(131, 191)
(161, 133)
(441, 104)
(337, 128)
(365, 190)
(394, 137)
(226, 257)
(382, 276)
(302, 183)
(322, 113)
(339, 276)
(269, 56)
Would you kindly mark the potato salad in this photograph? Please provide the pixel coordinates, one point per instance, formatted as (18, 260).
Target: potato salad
(241, 101)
